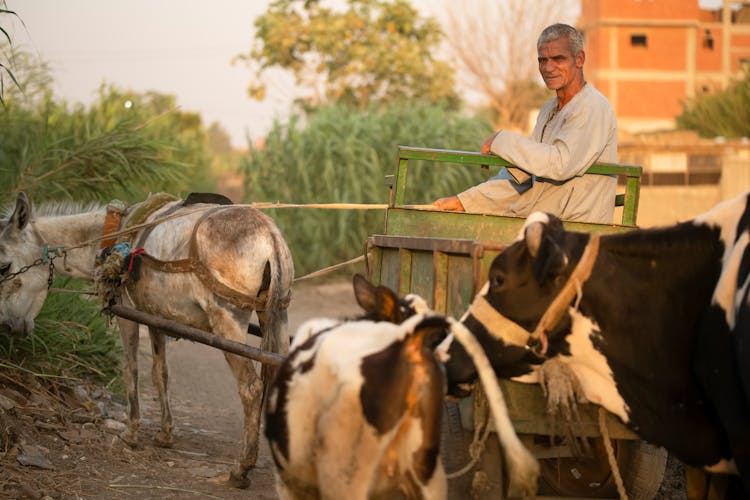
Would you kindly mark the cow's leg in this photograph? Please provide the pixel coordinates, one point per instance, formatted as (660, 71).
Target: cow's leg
(719, 374)
(250, 388)
(437, 486)
(160, 378)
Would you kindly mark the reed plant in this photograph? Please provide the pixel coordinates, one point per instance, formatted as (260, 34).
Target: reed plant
(340, 155)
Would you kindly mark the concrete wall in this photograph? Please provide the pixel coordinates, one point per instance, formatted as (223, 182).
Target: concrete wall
(662, 205)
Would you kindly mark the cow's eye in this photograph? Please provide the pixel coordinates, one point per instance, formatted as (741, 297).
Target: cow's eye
(496, 280)
(4, 269)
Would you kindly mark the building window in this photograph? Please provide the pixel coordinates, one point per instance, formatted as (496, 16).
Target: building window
(638, 41)
(708, 40)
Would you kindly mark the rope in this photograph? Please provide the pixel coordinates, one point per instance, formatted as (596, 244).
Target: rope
(611, 454)
(329, 269)
(476, 448)
(258, 205)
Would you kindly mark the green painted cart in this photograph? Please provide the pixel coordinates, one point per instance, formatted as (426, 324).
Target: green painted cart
(445, 257)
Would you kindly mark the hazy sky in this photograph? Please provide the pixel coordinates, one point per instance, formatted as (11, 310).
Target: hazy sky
(178, 47)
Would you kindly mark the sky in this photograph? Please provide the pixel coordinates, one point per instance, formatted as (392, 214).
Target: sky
(178, 47)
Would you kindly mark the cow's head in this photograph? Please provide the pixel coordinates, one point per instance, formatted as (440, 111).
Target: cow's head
(523, 281)
(22, 294)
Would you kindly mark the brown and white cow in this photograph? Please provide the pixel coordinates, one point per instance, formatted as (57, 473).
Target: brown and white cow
(658, 334)
(356, 408)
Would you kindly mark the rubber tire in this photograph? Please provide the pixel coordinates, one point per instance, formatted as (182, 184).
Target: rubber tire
(454, 449)
(645, 472)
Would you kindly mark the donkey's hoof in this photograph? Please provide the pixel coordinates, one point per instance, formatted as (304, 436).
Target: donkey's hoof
(130, 439)
(163, 440)
(238, 481)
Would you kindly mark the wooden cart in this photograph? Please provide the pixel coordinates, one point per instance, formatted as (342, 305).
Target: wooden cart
(445, 257)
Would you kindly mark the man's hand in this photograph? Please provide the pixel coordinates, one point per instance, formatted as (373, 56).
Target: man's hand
(487, 143)
(451, 203)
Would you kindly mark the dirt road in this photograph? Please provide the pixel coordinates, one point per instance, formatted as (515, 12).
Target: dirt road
(53, 452)
(70, 455)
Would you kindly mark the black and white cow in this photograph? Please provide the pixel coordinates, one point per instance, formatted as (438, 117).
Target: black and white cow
(659, 333)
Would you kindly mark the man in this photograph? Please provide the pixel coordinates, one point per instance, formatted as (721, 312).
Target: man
(574, 130)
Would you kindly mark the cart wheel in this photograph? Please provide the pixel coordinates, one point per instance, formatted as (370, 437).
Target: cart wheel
(641, 467)
(454, 446)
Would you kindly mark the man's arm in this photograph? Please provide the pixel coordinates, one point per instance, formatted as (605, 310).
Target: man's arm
(574, 140)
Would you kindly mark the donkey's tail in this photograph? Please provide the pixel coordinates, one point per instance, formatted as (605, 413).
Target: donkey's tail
(274, 317)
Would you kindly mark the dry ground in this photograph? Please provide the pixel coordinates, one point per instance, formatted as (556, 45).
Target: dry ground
(64, 445)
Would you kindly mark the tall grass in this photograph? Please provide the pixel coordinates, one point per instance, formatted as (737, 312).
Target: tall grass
(342, 156)
(71, 339)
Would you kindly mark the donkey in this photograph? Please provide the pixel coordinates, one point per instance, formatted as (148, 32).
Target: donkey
(238, 262)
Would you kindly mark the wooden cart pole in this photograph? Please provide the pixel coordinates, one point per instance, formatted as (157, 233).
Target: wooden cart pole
(188, 332)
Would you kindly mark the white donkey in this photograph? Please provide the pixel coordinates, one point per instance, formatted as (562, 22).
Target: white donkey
(205, 265)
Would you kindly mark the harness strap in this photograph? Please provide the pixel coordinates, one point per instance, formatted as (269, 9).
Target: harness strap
(572, 287)
(507, 330)
(115, 211)
(193, 264)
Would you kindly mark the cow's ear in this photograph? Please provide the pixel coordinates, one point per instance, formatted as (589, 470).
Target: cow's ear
(430, 331)
(364, 292)
(378, 301)
(22, 213)
(533, 235)
(549, 262)
(548, 257)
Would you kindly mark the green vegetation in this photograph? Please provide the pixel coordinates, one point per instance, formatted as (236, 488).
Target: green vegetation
(70, 340)
(124, 145)
(372, 52)
(725, 113)
(378, 87)
(342, 155)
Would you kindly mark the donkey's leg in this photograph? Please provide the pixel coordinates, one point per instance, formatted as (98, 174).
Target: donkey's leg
(160, 377)
(129, 336)
(251, 392)
(250, 388)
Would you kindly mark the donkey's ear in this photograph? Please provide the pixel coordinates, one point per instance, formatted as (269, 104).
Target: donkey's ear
(22, 213)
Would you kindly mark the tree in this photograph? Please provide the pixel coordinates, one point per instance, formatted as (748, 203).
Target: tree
(494, 44)
(374, 50)
(725, 113)
(124, 145)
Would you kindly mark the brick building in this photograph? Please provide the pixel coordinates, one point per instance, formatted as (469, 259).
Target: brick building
(648, 56)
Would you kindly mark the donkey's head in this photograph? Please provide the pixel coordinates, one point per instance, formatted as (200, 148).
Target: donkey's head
(22, 294)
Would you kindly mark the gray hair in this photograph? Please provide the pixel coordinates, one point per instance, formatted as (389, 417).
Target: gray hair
(557, 31)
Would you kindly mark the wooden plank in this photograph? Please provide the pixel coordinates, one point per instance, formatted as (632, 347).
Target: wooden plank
(179, 330)
(527, 407)
(460, 273)
(428, 244)
(457, 225)
(423, 276)
(390, 270)
(440, 281)
(404, 278)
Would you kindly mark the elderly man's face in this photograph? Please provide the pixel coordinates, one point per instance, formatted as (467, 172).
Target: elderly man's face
(557, 65)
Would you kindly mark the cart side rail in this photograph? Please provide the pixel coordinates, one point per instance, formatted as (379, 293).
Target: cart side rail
(631, 174)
